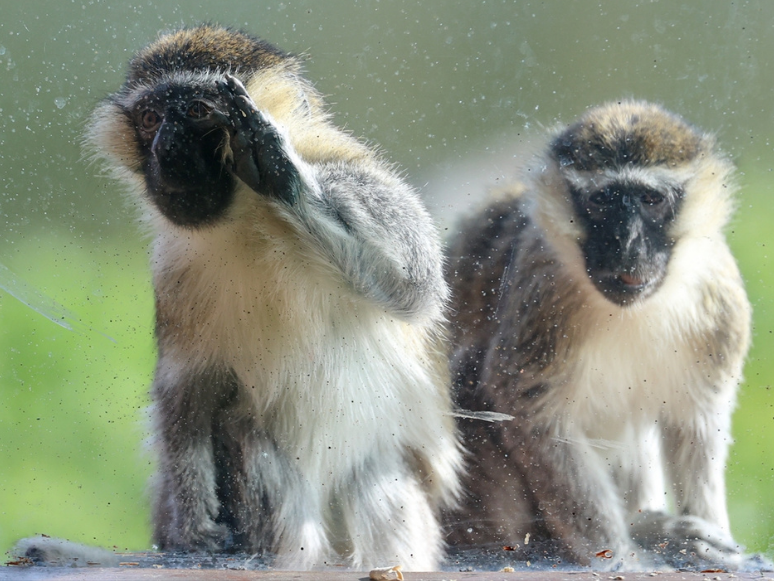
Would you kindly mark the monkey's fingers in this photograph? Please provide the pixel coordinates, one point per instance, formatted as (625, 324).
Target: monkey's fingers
(260, 158)
(210, 116)
(235, 86)
(242, 164)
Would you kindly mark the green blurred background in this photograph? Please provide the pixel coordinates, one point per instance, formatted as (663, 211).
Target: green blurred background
(449, 90)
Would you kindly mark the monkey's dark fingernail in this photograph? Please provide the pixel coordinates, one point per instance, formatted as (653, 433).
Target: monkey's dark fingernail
(246, 100)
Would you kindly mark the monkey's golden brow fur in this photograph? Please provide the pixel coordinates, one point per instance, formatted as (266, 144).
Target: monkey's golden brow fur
(205, 48)
(636, 133)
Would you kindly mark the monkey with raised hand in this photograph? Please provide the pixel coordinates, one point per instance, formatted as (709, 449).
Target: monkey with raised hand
(597, 302)
(301, 399)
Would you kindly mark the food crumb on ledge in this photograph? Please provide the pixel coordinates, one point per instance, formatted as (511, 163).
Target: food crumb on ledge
(386, 574)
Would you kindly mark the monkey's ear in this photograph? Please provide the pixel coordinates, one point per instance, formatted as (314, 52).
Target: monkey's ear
(260, 160)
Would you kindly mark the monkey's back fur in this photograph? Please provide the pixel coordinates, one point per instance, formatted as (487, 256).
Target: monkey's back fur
(301, 401)
(616, 405)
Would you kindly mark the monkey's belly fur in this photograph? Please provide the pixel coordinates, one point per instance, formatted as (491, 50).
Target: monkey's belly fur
(331, 398)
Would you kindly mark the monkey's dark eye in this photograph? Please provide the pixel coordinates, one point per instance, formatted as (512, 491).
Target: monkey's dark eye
(601, 198)
(150, 120)
(198, 109)
(652, 198)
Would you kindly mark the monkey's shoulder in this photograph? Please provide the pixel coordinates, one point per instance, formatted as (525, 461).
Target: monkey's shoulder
(705, 299)
(487, 242)
(490, 229)
(299, 110)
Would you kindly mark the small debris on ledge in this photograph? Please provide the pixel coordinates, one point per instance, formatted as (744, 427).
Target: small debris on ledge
(386, 574)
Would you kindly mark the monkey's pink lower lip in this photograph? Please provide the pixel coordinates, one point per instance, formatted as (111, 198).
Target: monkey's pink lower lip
(630, 280)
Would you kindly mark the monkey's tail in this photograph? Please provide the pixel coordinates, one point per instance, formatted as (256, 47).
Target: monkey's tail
(52, 552)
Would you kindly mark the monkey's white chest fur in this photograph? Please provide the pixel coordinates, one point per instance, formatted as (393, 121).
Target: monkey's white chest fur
(333, 377)
(654, 360)
(630, 371)
(642, 368)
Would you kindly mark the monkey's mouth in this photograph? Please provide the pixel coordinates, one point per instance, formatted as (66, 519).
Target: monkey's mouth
(624, 288)
(632, 282)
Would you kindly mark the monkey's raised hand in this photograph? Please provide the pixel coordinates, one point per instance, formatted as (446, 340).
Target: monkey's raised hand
(259, 159)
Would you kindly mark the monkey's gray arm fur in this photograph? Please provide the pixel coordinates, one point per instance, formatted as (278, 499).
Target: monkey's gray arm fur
(375, 231)
(370, 224)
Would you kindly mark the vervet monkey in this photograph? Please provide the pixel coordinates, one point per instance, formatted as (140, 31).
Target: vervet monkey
(597, 302)
(301, 396)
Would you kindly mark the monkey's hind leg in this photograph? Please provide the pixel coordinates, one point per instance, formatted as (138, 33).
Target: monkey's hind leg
(285, 514)
(388, 516)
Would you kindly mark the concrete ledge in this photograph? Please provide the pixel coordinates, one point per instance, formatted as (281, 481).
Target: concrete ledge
(127, 573)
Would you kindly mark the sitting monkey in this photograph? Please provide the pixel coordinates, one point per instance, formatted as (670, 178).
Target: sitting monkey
(597, 302)
(301, 396)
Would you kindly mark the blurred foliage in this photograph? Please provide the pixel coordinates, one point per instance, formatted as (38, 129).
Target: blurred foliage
(750, 474)
(449, 89)
(71, 421)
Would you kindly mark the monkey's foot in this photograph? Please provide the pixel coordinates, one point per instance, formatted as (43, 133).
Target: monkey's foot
(207, 536)
(259, 152)
(692, 542)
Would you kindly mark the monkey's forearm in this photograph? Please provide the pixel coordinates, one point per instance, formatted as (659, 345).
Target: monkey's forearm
(370, 224)
(188, 486)
(696, 461)
(573, 495)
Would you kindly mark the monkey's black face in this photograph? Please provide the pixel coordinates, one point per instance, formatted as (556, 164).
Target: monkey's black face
(627, 247)
(180, 131)
(195, 139)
